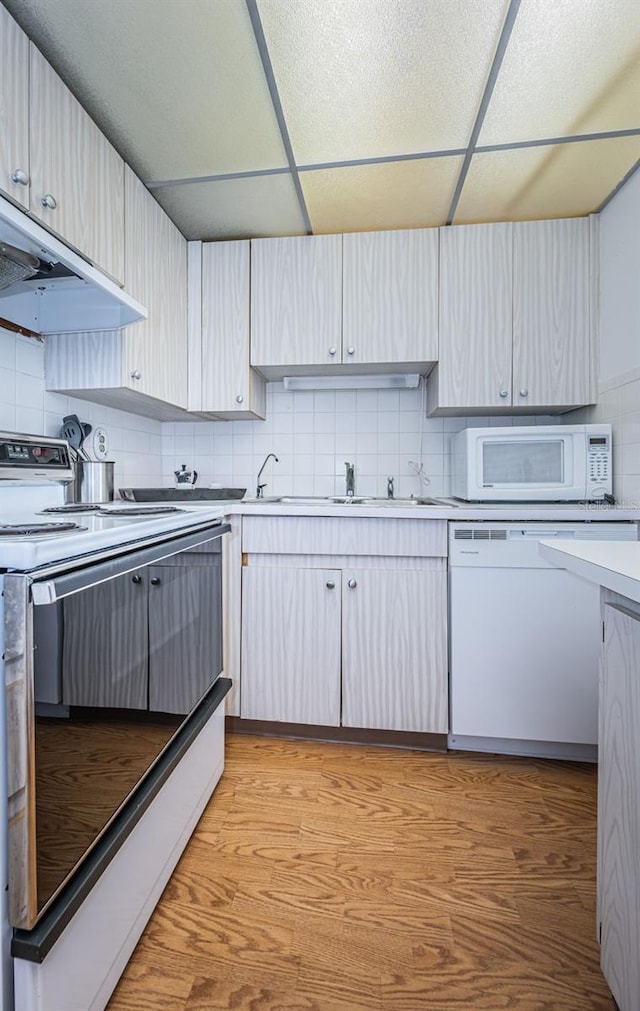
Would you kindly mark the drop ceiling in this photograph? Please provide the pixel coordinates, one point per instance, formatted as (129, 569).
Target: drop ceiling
(285, 117)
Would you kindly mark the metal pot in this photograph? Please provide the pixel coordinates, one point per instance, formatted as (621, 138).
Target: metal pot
(93, 482)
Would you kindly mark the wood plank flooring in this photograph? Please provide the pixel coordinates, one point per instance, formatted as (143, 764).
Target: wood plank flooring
(328, 877)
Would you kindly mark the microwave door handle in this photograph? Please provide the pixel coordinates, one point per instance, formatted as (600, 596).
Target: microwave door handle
(47, 591)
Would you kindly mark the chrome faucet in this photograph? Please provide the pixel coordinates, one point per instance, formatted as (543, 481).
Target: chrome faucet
(390, 487)
(350, 476)
(261, 486)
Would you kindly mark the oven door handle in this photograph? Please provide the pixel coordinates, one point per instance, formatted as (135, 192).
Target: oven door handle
(48, 591)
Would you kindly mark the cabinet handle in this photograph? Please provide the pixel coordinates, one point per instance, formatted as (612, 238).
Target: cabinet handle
(136, 579)
(332, 350)
(20, 176)
(49, 201)
(155, 581)
(524, 393)
(136, 374)
(504, 393)
(239, 399)
(352, 584)
(330, 584)
(351, 351)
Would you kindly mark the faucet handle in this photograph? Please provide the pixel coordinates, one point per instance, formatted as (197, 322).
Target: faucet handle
(390, 490)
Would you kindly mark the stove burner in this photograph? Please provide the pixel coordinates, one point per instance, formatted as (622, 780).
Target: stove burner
(36, 529)
(145, 511)
(73, 508)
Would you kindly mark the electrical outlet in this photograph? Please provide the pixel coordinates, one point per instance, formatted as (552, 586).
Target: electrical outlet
(100, 447)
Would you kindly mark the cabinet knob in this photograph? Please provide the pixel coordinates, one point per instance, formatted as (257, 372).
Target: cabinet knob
(332, 350)
(524, 393)
(49, 201)
(352, 584)
(155, 581)
(504, 393)
(239, 399)
(330, 584)
(351, 351)
(136, 374)
(20, 176)
(136, 579)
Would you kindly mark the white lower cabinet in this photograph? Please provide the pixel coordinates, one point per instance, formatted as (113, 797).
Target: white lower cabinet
(619, 802)
(394, 650)
(344, 639)
(291, 645)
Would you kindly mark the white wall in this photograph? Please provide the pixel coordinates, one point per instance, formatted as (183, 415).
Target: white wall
(25, 406)
(620, 282)
(314, 433)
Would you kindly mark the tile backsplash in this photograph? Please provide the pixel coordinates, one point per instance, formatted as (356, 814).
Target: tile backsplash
(383, 432)
(25, 406)
(619, 406)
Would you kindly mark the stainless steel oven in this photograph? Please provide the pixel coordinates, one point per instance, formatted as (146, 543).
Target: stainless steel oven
(104, 664)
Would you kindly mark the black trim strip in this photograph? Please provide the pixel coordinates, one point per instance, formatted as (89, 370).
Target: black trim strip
(34, 945)
(263, 50)
(501, 49)
(414, 739)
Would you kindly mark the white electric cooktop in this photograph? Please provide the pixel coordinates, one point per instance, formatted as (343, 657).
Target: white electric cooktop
(94, 534)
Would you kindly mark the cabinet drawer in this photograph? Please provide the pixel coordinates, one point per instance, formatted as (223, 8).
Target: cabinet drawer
(344, 535)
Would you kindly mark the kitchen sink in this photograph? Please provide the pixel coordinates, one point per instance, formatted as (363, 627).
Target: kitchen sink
(398, 503)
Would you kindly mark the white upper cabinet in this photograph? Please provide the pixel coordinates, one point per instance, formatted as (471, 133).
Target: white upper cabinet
(551, 325)
(390, 298)
(476, 267)
(296, 301)
(156, 274)
(14, 110)
(516, 326)
(221, 382)
(77, 177)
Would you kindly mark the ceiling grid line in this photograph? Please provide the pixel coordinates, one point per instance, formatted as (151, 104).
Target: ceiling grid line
(625, 178)
(579, 138)
(501, 49)
(261, 42)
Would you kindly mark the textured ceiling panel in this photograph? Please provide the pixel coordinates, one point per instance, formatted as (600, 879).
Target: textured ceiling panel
(571, 67)
(177, 85)
(545, 182)
(234, 208)
(366, 78)
(409, 194)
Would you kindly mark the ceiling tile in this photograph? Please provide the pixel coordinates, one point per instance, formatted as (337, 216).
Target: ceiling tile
(410, 194)
(234, 208)
(570, 68)
(562, 180)
(178, 86)
(367, 78)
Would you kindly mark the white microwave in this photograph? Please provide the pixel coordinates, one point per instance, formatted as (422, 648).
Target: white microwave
(545, 463)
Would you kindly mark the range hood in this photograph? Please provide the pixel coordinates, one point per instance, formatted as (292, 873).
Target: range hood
(45, 287)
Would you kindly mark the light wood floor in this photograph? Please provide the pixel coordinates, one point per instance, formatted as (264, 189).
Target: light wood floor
(326, 877)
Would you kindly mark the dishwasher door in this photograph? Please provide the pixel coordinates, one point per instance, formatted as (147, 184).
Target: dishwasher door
(525, 636)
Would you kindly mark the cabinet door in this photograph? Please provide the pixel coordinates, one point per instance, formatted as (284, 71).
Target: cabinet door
(105, 645)
(291, 645)
(73, 162)
(228, 385)
(551, 322)
(296, 300)
(156, 256)
(390, 309)
(185, 627)
(474, 368)
(619, 806)
(14, 109)
(394, 650)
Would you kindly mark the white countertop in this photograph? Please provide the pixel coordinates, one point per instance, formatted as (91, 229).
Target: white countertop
(449, 510)
(613, 564)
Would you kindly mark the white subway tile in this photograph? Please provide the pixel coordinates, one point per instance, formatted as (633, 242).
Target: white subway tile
(29, 420)
(30, 357)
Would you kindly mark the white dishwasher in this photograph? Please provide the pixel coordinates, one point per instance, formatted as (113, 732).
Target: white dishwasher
(524, 641)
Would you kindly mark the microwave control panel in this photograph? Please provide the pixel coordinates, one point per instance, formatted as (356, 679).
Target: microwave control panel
(598, 459)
